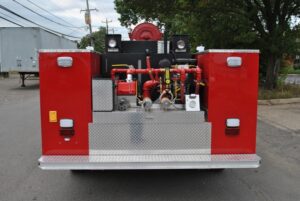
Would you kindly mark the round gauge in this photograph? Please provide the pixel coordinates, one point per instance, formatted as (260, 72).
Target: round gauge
(180, 44)
(112, 43)
(192, 104)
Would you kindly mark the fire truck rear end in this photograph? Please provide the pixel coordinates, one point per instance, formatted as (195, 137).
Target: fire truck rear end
(148, 103)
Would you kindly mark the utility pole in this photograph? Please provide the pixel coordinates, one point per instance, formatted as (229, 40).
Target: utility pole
(106, 22)
(88, 20)
(113, 30)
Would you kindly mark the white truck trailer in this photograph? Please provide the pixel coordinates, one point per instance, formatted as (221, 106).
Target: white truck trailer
(19, 49)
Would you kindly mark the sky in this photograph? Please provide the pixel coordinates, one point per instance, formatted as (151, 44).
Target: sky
(68, 10)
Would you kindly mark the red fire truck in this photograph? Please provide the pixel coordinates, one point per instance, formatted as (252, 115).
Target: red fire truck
(148, 103)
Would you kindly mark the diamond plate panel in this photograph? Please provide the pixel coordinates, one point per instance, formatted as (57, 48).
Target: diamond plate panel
(102, 95)
(171, 161)
(136, 115)
(136, 138)
(151, 158)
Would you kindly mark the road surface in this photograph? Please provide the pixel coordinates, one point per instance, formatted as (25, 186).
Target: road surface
(278, 178)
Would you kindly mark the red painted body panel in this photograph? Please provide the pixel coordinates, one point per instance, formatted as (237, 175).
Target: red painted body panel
(231, 93)
(67, 91)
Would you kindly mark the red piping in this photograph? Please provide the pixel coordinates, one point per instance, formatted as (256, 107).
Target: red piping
(149, 68)
(148, 86)
(151, 83)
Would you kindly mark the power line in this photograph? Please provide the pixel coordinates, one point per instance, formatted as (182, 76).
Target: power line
(48, 29)
(3, 14)
(40, 14)
(72, 26)
(11, 21)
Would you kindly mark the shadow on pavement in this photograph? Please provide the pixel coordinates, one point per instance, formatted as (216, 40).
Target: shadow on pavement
(28, 87)
(143, 176)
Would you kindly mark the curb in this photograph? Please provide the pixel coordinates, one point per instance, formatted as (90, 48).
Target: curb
(279, 101)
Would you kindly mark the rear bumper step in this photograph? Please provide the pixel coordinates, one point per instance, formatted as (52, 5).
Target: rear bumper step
(131, 162)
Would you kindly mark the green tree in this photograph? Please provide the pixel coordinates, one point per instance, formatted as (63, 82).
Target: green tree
(268, 25)
(99, 37)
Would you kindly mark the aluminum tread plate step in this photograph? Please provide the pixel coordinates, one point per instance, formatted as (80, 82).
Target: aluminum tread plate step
(119, 162)
(156, 116)
(137, 131)
(150, 136)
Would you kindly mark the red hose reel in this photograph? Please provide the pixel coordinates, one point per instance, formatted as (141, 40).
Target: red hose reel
(146, 31)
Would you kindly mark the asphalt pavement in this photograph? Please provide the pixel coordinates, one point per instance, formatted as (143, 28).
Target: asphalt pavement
(278, 178)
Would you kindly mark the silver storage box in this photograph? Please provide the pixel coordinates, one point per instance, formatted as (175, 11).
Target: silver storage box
(103, 94)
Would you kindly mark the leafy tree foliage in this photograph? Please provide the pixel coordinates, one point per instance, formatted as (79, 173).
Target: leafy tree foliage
(269, 25)
(98, 36)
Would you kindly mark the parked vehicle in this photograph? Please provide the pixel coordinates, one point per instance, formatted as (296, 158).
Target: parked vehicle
(148, 103)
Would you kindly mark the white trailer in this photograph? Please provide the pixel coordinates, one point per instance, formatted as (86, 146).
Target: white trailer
(19, 48)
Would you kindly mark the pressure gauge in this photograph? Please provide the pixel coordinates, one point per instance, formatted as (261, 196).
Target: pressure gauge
(192, 104)
(112, 43)
(180, 44)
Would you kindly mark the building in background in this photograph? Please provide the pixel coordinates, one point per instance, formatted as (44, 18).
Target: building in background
(19, 48)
